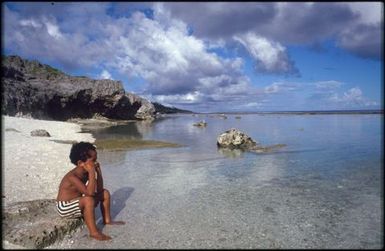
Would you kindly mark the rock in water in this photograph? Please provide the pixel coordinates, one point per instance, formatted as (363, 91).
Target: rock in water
(236, 139)
(200, 124)
(40, 133)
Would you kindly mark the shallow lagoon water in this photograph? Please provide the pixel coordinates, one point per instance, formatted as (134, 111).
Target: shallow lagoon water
(323, 190)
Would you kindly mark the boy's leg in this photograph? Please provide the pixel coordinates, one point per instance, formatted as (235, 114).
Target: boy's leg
(106, 209)
(86, 204)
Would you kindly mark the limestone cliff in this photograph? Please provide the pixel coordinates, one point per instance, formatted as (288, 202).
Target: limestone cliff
(40, 91)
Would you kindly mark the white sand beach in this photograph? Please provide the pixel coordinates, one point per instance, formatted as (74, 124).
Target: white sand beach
(32, 167)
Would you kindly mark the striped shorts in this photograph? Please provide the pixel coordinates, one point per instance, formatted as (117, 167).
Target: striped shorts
(68, 209)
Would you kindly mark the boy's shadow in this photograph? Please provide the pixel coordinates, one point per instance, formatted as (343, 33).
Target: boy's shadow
(118, 202)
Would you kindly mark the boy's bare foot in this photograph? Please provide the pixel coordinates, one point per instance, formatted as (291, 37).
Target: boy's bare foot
(115, 223)
(100, 236)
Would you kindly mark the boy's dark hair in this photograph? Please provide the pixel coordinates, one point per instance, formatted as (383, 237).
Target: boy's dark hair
(79, 151)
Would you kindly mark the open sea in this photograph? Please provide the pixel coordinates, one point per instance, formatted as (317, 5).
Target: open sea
(323, 190)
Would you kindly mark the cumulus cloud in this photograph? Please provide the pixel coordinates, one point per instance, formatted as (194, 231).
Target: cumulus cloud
(169, 59)
(328, 95)
(221, 19)
(363, 40)
(353, 97)
(321, 95)
(280, 87)
(289, 23)
(174, 65)
(328, 85)
(270, 56)
(105, 75)
(42, 36)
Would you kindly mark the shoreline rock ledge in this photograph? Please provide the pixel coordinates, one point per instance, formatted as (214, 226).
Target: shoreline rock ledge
(35, 224)
(235, 139)
(36, 90)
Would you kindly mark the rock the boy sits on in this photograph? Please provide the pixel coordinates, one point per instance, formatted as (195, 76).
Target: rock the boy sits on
(76, 198)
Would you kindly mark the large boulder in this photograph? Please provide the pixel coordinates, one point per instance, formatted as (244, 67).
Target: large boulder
(235, 139)
(40, 91)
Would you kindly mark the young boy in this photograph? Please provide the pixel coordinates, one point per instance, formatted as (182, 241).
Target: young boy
(76, 198)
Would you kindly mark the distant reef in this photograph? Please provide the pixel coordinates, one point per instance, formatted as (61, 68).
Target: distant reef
(36, 90)
(159, 108)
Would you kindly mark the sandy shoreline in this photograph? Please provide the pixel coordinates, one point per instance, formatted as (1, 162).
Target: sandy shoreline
(34, 166)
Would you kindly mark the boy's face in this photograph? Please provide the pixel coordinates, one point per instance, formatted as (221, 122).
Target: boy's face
(93, 155)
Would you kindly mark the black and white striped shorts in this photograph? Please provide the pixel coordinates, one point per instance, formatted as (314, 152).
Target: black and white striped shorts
(68, 209)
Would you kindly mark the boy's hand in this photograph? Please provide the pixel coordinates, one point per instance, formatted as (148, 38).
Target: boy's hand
(89, 165)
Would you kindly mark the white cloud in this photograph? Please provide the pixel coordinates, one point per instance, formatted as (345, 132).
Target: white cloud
(53, 30)
(328, 85)
(299, 23)
(30, 22)
(280, 87)
(171, 61)
(354, 95)
(105, 75)
(189, 98)
(352, 98)
(270, 56)
(253, 105)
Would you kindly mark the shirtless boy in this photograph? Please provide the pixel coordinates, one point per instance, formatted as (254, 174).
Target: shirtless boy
(76, 198)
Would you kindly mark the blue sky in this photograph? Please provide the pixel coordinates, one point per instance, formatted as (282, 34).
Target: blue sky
(212, 57)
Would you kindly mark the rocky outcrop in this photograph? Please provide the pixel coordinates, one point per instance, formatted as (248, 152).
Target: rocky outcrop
(40, 91)
(35, 224)
(159, 108)
(235, 139)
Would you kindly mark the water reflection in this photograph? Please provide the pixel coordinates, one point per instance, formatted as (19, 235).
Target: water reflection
(145, 127)
(231, 153)
(127, 131)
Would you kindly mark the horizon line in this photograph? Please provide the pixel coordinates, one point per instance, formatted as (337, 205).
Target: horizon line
(302, 111)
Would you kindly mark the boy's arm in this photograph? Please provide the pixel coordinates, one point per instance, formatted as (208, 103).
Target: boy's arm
(99, 179)
(88, 190)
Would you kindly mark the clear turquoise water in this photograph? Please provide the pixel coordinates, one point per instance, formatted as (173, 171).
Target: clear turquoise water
(323, 190)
